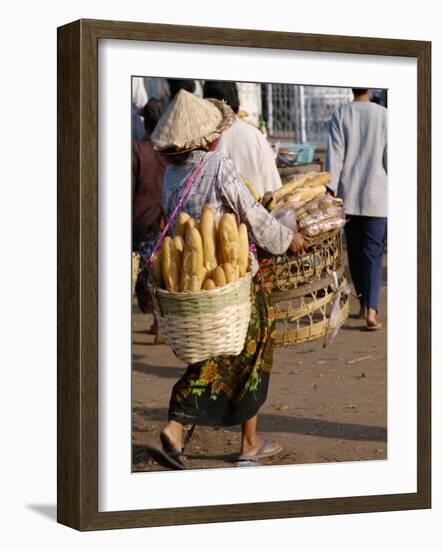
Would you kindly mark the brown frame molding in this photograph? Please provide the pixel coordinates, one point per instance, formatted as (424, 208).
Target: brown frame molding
(77, 224)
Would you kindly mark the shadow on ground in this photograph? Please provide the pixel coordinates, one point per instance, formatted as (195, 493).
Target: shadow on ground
(275, 423)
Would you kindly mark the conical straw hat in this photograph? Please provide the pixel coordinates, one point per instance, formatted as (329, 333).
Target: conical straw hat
(191, 122)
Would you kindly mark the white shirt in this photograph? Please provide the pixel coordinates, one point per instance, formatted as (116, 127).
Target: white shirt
(139, 94)
(252, 154)
(357, 158)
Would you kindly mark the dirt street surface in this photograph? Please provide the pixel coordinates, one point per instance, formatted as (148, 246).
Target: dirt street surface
(324, 405)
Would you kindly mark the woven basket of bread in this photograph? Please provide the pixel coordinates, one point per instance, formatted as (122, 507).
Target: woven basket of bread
(322, 254)
(206, 323)
(201, 285)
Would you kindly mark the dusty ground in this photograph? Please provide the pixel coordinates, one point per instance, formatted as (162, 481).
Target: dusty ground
(323, 405)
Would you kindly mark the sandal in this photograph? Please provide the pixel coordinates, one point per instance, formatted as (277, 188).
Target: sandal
(166, 459)
(167, 456)
(268, 448)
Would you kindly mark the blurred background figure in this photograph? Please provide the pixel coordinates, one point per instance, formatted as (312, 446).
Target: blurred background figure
(139, 94)
(148, 168)
(244, 143)
(158, 88)
(176, 84)
(137, 124)
(357, 159)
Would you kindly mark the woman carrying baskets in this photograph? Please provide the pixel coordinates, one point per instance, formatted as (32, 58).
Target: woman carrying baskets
(222, 390)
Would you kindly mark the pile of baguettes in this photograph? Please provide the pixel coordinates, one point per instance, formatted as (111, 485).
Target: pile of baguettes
(315, 211)
(203, 255)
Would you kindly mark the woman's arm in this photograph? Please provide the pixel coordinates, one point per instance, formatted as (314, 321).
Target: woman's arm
(264, 229)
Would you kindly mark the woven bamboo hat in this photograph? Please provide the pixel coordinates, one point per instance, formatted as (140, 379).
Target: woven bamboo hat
(191, 122)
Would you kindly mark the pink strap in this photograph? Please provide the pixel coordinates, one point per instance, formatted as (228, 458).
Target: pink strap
(191, 179)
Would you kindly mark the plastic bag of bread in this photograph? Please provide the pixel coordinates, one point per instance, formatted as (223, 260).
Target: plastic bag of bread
(323, 227)
(321, 215)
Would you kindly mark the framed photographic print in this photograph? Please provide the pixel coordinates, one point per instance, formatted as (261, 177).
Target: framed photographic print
(243, 275)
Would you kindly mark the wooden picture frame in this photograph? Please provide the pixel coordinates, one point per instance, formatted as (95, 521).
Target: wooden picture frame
(77, 462)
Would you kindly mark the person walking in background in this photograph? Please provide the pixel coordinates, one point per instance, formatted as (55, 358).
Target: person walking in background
(158, 88)
(243, 143)
(148, 169)
(357, 160)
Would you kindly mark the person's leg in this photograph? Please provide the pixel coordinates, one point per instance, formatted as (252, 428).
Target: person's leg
(173, 434)
(353, 236)
(373, 249)
(254, 447)
(249, 439)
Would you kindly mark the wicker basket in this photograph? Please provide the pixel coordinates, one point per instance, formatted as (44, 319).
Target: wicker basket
(305, 288)
(322, 254)
(303, 314)
(204, 324)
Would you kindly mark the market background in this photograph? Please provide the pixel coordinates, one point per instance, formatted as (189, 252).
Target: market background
(28, 275)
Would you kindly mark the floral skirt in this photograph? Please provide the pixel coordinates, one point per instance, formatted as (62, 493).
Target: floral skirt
(227, 391)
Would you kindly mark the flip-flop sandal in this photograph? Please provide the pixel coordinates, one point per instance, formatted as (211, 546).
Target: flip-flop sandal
(263, 452)
(166, 459)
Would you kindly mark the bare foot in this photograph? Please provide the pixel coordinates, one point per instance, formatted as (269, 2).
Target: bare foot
(372, 323)
(250, 445)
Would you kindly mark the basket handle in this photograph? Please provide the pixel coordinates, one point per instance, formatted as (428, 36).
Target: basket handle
(191, 179)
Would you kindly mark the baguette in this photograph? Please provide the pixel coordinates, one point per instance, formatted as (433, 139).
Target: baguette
(208, 235)
(243, 253)
(309, 193)
(192, 265)
(321, 178)
(209, 284)
(252, 190)
(228, 237)
(230, 272)
(170, 265)
(219, 276)
(156, 269)
(288, 188)
(180, 225)
(179, 245)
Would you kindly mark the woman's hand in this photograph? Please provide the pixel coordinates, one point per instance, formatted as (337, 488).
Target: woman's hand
(297, 244)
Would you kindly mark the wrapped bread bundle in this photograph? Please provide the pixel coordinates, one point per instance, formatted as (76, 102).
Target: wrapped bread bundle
(208, 234)
(192, 273)
(323, 227)
(170, 263)
(228, 239)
